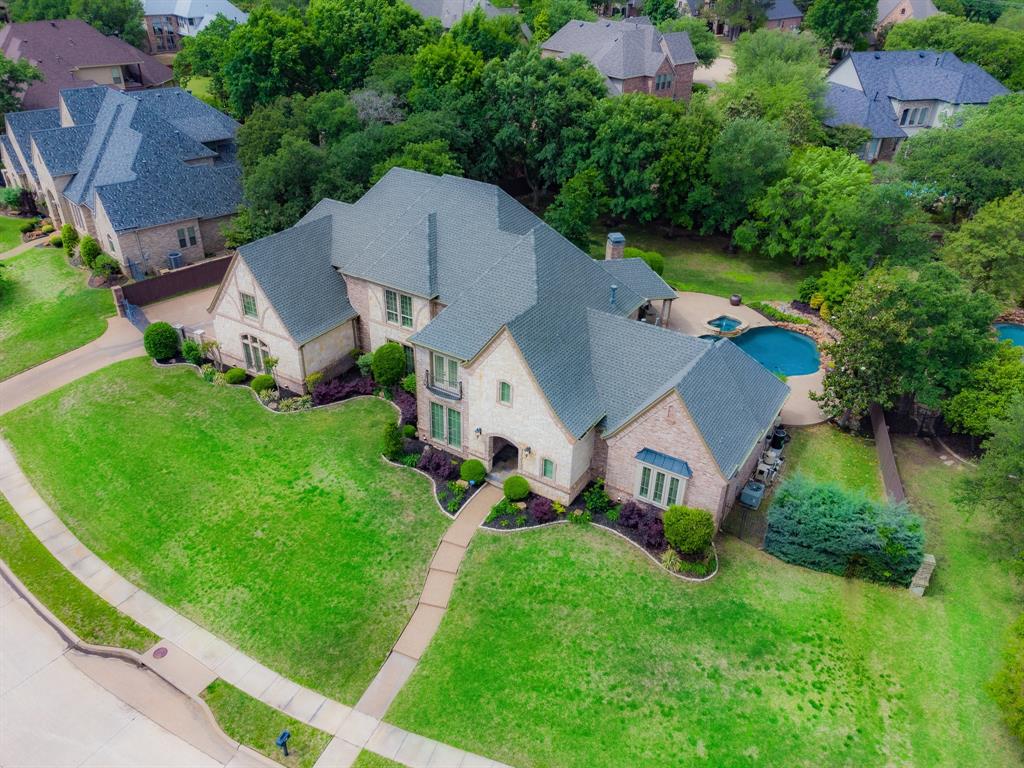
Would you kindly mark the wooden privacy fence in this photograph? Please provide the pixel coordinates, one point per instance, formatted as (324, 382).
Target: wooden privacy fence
(886, 459)
(202, 274)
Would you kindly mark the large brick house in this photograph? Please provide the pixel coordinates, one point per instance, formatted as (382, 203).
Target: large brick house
(72, 54)
(151, 174)
(529, 354)
(632, 55)
(778, 14)
(168, 21)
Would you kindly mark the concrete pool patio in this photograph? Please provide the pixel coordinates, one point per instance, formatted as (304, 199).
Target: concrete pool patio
(690, 315)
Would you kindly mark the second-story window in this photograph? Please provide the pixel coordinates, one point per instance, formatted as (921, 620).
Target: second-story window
(406, 303)
(446, 370)
(115, 75)
(398, 308)
(504, 393)
(248, 305)
(391, 306)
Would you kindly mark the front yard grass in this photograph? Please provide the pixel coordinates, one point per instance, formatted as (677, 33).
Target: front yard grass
(47, 309)
(257, 725)
(10, 232)
(89, 616)
(565, 646)
(829, 455)
(704, 265)
(286, 535)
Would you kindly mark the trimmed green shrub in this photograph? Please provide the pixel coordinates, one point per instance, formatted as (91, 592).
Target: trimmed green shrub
(28, 225)
(472, 471)
(392, 441)
(312, 380)
(10, 197)
(160, 340)
(596, 499)
(688, 530)
(388, 364)
(409, 431)
(234, 376)
(262, 383)
(56, 241)
(47, 228)
(806, 289)
(89, 250)
(69, 237)
(1007, 687)
(192, 352)
(516, 488)
(773, 314)
(653, 259)
(409, 383)
(365, 364)
(827, 528)
(105, 266)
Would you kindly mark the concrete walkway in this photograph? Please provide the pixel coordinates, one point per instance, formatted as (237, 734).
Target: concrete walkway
(21, 248)
(194, 657)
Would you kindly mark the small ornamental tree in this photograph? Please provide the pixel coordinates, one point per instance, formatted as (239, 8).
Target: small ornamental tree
(89, 250)
(389, 364)
(69, 237)
(160, 341)
(472, 471)
(516, 488)
(688, 530)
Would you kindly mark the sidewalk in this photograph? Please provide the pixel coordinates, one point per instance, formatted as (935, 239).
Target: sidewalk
(192, 657)
(21, 248)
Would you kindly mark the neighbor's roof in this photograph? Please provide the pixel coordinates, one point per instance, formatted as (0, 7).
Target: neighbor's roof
(59, 48)
(919, 9)
(449, 12)
(21, 126)
(6, 141)
(639, 278)
(293, 268)
(622, 49)
(783, 9)
(496, 266)
(206, 10)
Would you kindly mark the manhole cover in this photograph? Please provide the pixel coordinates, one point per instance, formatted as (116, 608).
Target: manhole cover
(159, 653)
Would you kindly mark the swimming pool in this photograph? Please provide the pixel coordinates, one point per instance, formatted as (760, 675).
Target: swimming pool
(1011, 331)
(780, 350)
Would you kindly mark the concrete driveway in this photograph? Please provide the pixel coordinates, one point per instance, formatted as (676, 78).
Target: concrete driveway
(721, 71)
(52, 714)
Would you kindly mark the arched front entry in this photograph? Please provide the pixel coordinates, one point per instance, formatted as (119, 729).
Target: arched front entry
(504, 455)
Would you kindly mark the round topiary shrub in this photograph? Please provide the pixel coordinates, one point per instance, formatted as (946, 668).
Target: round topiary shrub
(472, 471)
(688, 530)
(161, 341)
(56, 241)
(234, 376)
(262, 383)
(389, 364)
(516, 488)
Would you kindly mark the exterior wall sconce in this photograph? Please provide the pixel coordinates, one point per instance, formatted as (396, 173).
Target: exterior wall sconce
(528, 450)
(478, 431)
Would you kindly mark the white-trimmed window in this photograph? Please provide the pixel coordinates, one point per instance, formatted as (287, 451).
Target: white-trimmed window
(504, 393)
(115, 76)
(186, 236)
(658, 487)
(446, 425)
(398, 308)
(547, 469)
(445, 370)
(256, 353)
(249, 305)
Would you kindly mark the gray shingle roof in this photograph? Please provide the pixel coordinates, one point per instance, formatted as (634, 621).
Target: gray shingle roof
(294, 270)
(783, 9)
(848, 106)
(449, 12)
(21, 125)
(622, 49)
(919, 9)
(639, 278)
(664, 461)
(496, 266)
(15, 162)
(131, 151)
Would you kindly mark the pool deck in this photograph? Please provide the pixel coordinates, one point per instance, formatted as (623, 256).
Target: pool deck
(690, 314)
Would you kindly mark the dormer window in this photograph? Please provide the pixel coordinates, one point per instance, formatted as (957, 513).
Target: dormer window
(398, 308)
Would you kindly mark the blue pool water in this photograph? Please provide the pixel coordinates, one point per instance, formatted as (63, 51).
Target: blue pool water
(780, 350)
(1011, 331)
(725, 323)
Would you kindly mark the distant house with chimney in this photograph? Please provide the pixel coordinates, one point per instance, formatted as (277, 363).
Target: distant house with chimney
(168, 21)
(634, 56)
(72, 54)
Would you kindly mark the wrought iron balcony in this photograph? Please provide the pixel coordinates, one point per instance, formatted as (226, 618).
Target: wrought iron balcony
(441, 386)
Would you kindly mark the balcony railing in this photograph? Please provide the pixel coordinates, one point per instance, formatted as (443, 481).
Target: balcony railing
(441, 386)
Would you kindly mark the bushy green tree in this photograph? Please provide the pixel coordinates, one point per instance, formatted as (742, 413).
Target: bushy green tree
(852, 138)
(652, 259)
(988, 250)
(202, 55)
(688, 530)
(89, 250)
(800, 216)
(37, 10)
(492, 38)
(741, 14)
(546, 17)
(443, 72)
(427, 156)
(122, 18)
(992, 386)
(388, 364)
(842, 21)
(282, 188)
(1012, 18)
(1007, 687)
(659, 11)
(161, 341)
(14, 77)
(996, 484)
(886, 225)
(577, 207)
(705, 44)
(906, 332)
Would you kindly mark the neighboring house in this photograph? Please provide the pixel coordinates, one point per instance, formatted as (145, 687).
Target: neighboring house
(632, 55)
(895, 94)
(894, 11)
(780, 14)
(528, 353)
(449, 12)
(151, 175)
(168, 21)
(72, 54)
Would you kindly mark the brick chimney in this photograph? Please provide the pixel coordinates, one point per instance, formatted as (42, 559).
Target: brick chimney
(615, 246)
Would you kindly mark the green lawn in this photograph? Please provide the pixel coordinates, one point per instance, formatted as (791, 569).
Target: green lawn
(86, 614)
(703, 264)
(567, 647)
(199, 87)
(257, 725)
(10, 232)
(370, 760)
(826, 454)
(286, 535)
(47, 309)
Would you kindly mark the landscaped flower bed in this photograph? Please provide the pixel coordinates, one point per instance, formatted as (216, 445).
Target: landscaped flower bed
(444, 469)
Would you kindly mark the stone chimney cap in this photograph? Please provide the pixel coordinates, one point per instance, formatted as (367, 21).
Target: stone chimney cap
(616, 237)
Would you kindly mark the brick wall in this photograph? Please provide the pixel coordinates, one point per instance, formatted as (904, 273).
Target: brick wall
(682, 86)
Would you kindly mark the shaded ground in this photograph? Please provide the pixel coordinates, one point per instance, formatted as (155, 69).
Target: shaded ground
(564, 646)
(47, 309)
(285, 535)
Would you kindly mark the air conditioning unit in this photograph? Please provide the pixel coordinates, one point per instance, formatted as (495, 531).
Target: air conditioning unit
(174, 260)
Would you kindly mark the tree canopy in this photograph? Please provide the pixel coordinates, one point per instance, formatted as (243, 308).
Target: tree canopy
(122, 18)
(577, 207)
(14, 76)
(992, 386)
(843, 21)
(705, 44)
(988, 250)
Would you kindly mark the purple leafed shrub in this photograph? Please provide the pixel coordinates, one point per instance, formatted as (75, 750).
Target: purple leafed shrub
(336, 389)
(540, 510)
(437, 464)
(406, 404)
(633, 513)
(652, 533)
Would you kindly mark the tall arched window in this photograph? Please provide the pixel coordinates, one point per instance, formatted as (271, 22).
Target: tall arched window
(256, 353)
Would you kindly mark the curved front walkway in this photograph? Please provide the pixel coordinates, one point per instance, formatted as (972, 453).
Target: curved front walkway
(195, 657)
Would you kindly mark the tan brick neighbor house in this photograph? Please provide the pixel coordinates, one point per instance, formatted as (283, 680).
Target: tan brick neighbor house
(632, 55)
(168, 21)
(529, 354)
(151, 175)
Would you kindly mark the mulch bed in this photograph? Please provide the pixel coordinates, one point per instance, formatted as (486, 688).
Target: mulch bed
(452, 493)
